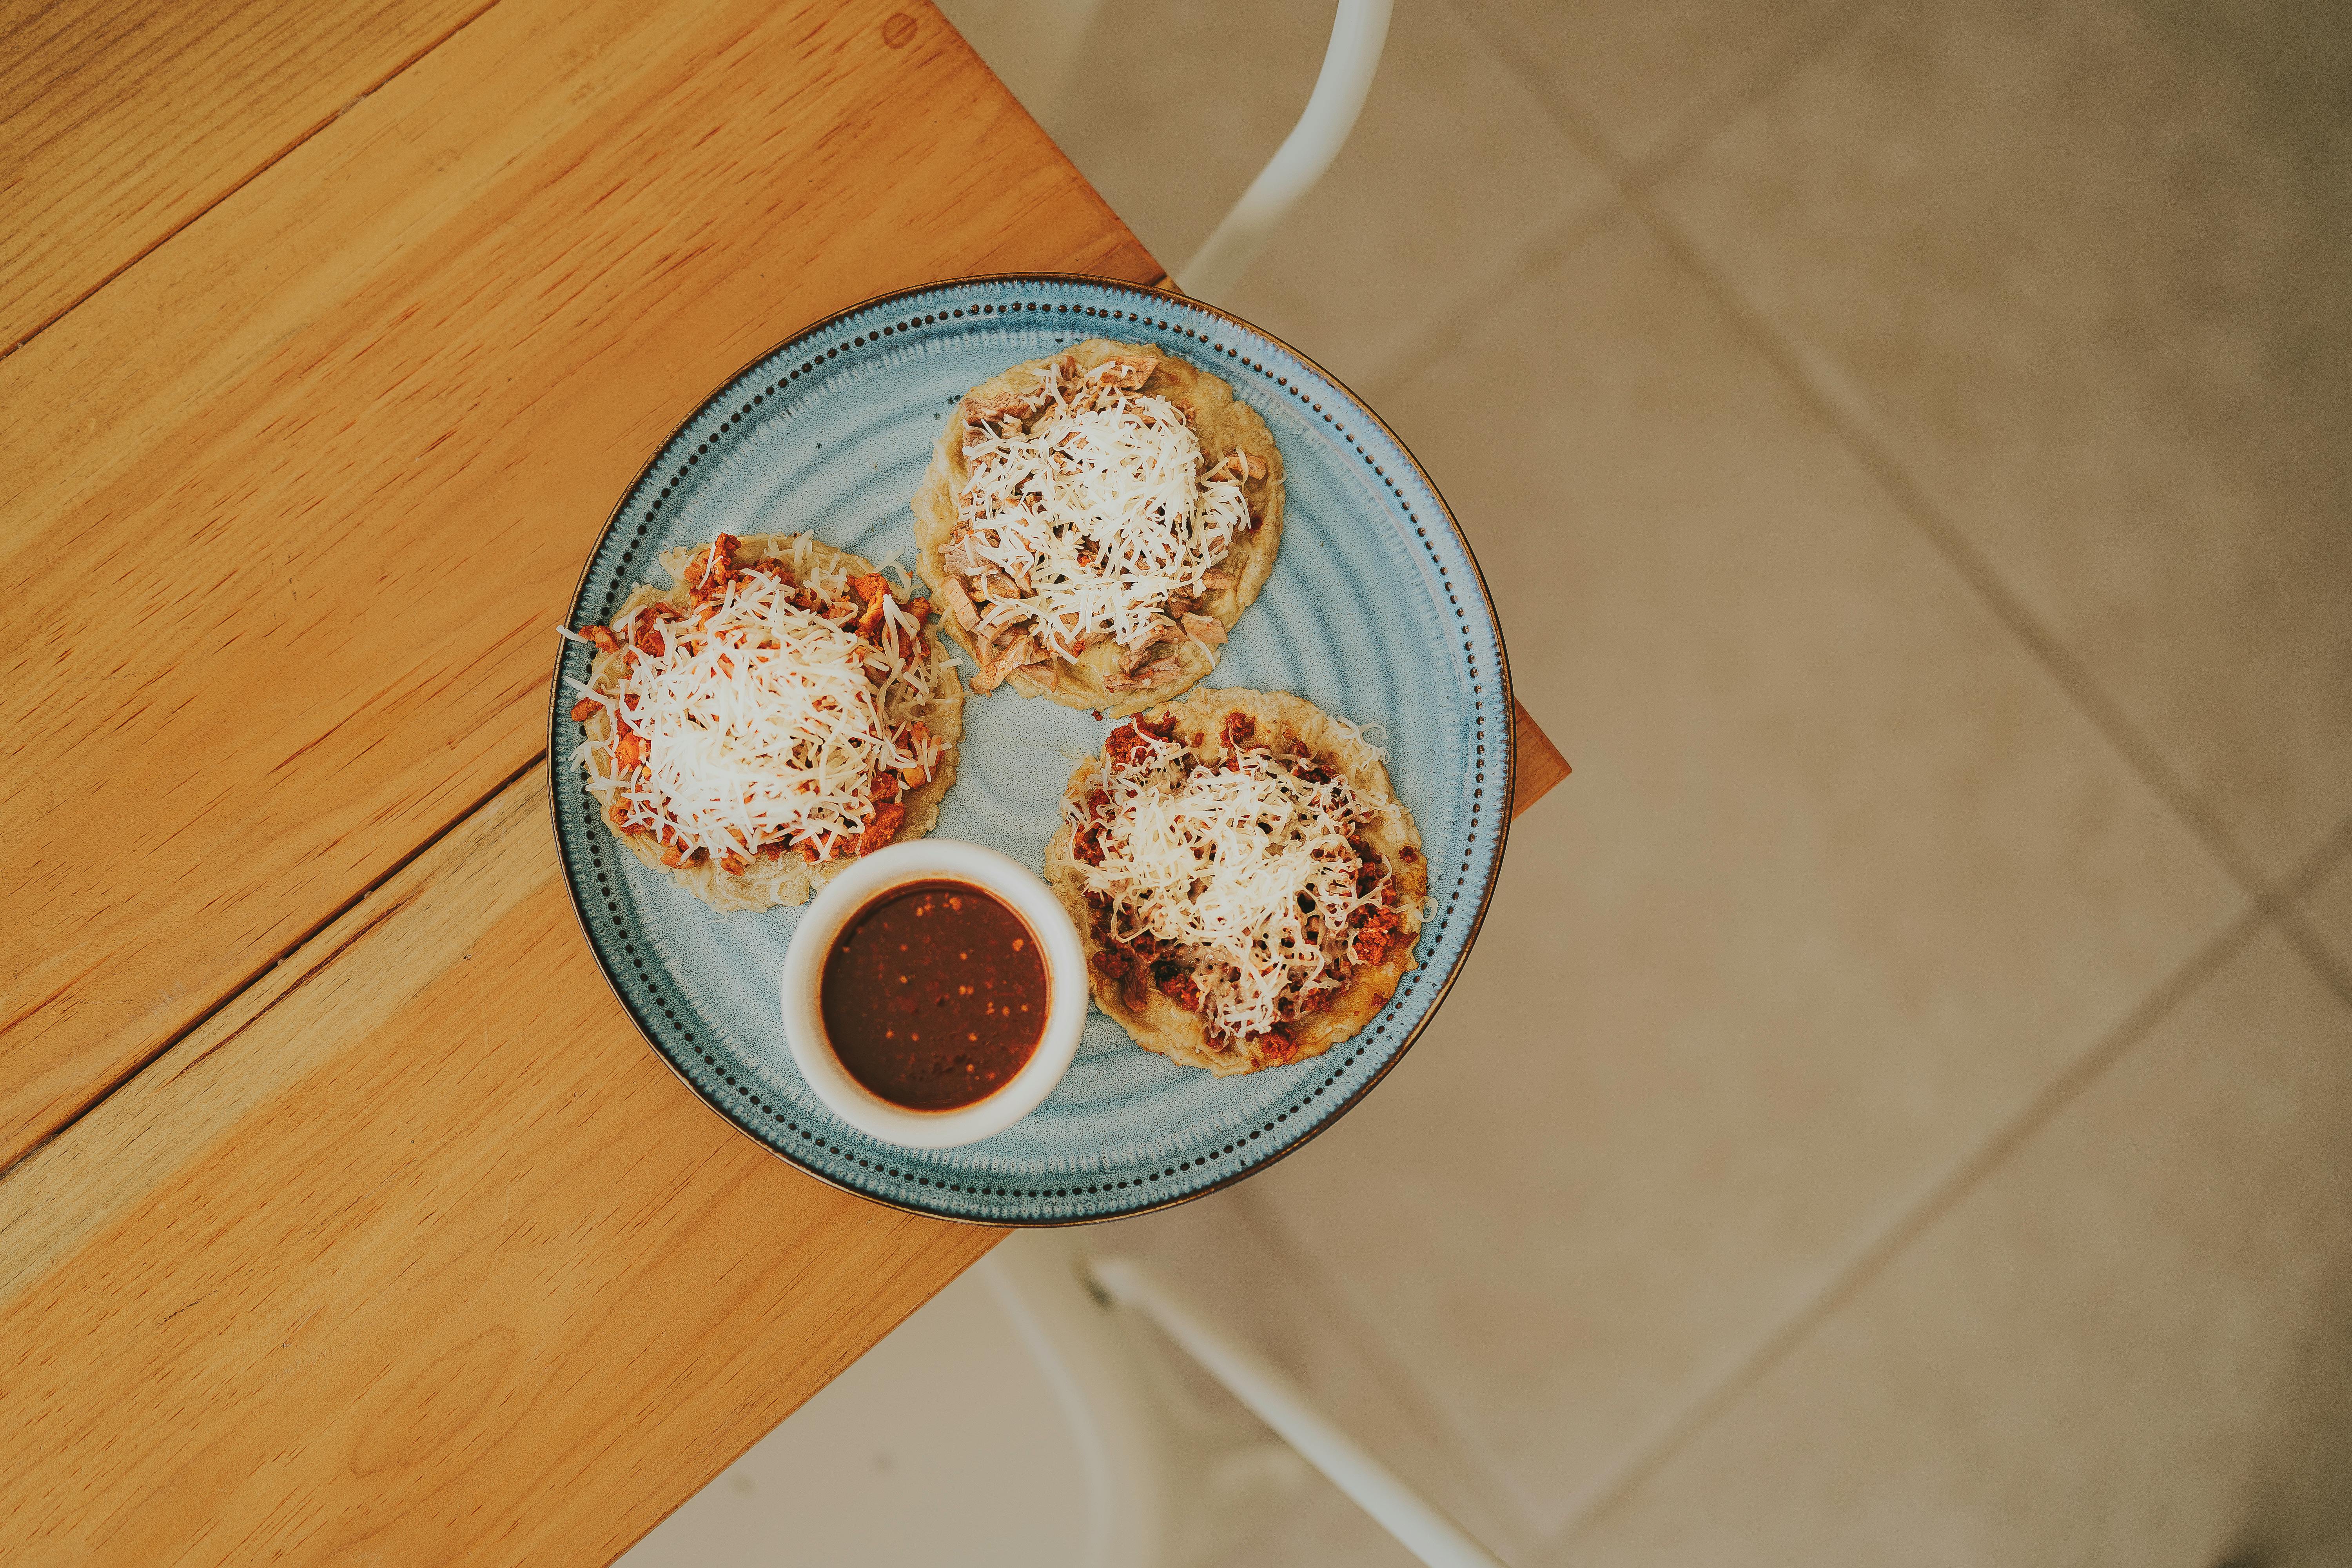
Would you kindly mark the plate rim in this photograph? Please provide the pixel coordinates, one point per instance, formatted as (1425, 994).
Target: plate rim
(1508, 731)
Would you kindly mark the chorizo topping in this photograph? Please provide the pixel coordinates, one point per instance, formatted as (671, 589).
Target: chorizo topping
(1233, 876)
(767, 718)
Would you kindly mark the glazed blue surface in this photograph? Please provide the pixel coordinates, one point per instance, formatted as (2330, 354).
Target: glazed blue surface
(1375, 611)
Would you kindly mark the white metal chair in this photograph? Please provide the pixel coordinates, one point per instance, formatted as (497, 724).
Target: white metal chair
(1275, 1398)
(1034, 46)
(1359, 33)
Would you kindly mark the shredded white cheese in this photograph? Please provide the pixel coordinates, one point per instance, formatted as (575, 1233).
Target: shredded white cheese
(1096, 516)
(765, 721)
(1244, 874)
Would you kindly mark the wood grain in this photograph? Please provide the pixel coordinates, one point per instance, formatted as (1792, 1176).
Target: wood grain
(334, 453)
(123, 119)
(1536, 766)
(416, 1253)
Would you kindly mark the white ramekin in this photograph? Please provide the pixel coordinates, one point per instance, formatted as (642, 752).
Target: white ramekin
(921, 860)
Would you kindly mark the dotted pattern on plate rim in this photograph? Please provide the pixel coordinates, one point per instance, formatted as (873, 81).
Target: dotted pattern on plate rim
(780, 1127)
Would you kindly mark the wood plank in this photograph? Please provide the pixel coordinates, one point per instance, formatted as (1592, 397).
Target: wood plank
(417, 1253)
(123, 119)
(1536, 766)
(337, 450)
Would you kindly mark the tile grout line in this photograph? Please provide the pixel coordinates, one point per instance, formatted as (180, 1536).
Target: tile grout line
(1796, 49)
(1455, 321)
(1629, 173)
(2331, 852)
(1875, 1255)
(2297, 929)
(238, 183)
(2286, 900)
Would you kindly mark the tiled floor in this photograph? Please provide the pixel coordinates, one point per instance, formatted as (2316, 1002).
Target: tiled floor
(1901, 1107)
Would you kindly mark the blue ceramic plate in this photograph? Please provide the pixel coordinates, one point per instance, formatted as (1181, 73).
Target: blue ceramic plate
(1375, 611)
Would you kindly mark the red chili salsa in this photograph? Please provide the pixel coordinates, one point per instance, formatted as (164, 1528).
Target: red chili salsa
(934, 994)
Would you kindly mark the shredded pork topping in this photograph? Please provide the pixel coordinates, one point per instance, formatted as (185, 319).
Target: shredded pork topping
(1242, 887)
(780, 713)
(1085, 513)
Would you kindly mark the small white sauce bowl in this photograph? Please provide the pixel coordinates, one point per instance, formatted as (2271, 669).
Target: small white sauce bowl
(924, 860)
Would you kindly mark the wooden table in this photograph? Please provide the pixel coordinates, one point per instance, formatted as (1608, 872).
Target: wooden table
(344, 1215)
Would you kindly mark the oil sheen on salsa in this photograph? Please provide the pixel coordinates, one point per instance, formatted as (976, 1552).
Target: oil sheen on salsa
(934, 994)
